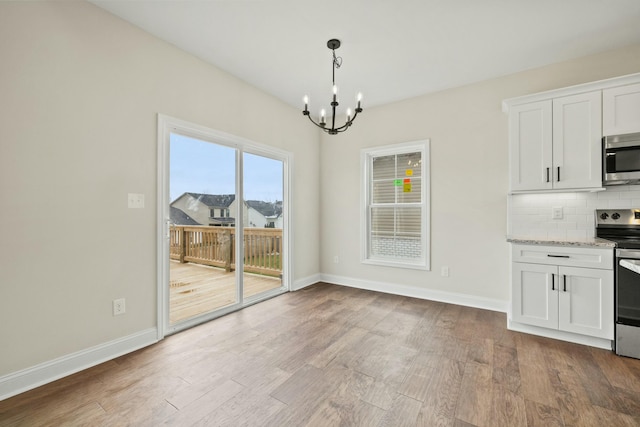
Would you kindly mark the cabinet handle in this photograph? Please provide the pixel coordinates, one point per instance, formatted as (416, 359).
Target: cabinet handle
(558, 173)
(553, 282)
(547, 174)
(564, 277)
(558, 256)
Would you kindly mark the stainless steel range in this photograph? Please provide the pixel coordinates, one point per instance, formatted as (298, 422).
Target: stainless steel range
(623, 227)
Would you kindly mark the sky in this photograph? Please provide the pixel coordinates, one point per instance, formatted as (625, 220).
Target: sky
(204, 167)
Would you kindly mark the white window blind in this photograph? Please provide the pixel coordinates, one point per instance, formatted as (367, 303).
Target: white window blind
(395, 205)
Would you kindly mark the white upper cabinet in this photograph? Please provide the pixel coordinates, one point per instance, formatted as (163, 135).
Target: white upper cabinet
(530, 136)
(555, 144)
(621, 110)
(555, 137)
(577, 141)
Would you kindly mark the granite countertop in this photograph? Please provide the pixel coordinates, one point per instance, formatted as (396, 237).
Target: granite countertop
(594, 242)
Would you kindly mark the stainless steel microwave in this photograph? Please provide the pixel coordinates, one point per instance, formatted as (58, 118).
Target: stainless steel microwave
(621, 159)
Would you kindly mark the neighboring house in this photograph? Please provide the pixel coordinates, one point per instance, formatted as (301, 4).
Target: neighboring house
(208, 209)
(264, 214)
(221, 210)
(178, 217)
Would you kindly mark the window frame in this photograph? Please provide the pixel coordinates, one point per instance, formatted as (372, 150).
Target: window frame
(366, 160)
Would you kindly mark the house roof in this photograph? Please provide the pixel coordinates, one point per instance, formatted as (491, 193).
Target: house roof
(214, 200)
(268, 209)
(178, 217)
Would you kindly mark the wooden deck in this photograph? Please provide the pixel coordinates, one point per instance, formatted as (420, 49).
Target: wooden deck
(196, 289)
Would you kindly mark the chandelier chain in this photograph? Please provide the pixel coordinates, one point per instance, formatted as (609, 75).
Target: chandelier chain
(337, 60)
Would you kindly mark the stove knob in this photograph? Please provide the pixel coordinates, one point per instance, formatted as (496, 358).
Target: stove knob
(615, 216)
(604, 215)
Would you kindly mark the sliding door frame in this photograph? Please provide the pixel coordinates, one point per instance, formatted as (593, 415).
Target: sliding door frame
(168, 125)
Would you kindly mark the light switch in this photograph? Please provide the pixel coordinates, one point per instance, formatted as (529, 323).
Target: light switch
(136, 201)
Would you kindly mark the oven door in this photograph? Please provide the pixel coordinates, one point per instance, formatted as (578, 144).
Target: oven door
(628, 287)
(621, 159)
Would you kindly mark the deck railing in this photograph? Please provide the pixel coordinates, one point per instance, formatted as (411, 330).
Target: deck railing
(216, 246)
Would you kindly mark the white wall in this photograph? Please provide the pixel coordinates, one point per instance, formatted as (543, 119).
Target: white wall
(469, 181)
(80, 93)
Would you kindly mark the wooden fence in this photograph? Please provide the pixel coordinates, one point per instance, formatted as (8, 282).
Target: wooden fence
(216, 246)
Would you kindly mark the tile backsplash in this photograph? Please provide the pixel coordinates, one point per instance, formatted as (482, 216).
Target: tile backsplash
(531, 214)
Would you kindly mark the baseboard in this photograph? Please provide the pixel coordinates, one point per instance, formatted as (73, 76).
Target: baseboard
(306, 281)
(422, 293)
(30, 378)
(559, 335)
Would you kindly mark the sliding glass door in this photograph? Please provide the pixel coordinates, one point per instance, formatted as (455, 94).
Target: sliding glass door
(202, 212)
(263, 225)
(224, 224)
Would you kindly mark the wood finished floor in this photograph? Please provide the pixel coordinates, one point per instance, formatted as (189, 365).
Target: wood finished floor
(336, 356)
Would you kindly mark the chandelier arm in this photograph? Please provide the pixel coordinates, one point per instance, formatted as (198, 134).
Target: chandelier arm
(352, 118)
(333, 129)
(345, 126)
(314, 122)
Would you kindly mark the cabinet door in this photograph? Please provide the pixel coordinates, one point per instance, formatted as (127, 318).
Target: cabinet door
(534, 296)
(530, 134)
(621, 110)
(586, 306)
(577, 141)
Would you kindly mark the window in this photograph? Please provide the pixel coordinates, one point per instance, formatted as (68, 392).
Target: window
(395, 205)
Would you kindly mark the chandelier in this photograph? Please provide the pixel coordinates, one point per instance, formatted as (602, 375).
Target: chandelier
(333, 44)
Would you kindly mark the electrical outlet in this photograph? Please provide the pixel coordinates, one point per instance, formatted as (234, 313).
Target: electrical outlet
(118, 306)
(444, 271)
(556, 213)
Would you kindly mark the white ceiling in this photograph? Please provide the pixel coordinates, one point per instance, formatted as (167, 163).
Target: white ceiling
(391, 50)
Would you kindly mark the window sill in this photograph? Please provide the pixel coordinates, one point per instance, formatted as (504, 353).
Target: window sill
(397, 264)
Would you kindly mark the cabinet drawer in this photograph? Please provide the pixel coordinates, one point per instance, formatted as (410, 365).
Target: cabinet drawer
(564, 255)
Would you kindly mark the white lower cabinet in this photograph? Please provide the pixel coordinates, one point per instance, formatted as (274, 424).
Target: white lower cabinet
(570, 299)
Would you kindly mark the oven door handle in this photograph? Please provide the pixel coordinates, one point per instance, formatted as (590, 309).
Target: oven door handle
(631, 264)
(628, 253)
